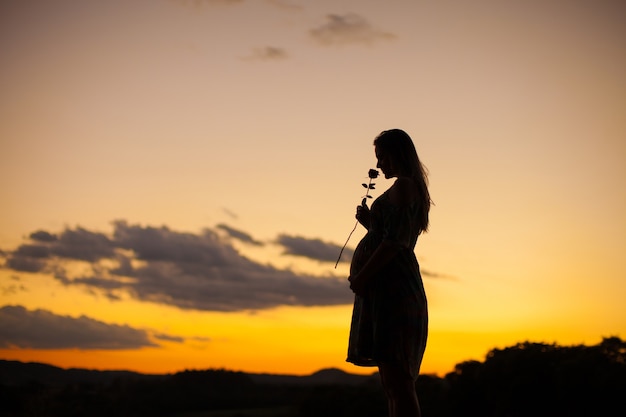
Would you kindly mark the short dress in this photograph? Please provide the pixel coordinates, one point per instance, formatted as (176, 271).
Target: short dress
(390, 321)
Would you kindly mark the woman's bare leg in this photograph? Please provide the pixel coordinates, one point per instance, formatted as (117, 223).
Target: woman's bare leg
(400, 390)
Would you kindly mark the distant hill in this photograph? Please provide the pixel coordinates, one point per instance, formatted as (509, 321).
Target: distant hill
(15, 373)
(19, 373)
(330, 376)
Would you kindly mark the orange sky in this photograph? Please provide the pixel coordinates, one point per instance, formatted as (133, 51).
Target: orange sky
(177, 177)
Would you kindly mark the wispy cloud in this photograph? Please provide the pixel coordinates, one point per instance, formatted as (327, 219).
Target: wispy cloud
(430, 274)
(13, 286)
(230, 213)
(347, 29)
(238, 234)
(169, 338)
(42, 329)
(268, 53)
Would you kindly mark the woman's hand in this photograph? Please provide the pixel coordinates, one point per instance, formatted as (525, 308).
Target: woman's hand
(357, 285)
(363, 215)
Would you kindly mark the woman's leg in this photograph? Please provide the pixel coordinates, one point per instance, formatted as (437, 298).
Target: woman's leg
(400, 390)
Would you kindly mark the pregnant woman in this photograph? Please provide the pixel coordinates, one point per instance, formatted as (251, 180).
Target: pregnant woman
(390, 317)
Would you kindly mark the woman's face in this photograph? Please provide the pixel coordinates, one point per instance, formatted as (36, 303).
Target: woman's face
(385, 164)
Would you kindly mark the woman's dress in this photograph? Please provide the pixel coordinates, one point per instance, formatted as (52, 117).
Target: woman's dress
(390, 321)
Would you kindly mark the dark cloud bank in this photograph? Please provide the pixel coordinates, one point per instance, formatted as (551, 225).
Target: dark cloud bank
(200, 271)
(41, 329)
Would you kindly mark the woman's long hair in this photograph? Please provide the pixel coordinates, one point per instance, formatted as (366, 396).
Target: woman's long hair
(399, 146)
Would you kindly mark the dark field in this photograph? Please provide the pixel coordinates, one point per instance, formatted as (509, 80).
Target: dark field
(528, 379)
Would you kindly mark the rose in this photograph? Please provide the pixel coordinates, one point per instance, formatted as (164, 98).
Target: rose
(372, 173)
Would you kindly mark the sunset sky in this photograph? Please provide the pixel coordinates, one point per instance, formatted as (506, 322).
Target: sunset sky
(177, 177)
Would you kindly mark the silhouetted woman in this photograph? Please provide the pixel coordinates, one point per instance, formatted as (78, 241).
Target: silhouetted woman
(390, 316)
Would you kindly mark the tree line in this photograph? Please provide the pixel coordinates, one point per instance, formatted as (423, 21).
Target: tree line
(527, 379)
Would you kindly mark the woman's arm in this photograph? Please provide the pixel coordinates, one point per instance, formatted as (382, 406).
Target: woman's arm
(383, 254)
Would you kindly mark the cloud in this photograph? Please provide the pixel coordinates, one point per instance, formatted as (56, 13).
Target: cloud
(42, 329)
(430, 274)
(169, 338)
(13, 288)
(238, 234)
(200, 271)
(21, 262)
(79, 244)
(312, 248)
(268, 53)
(230, 213)
(43, 236)
(347, 29)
